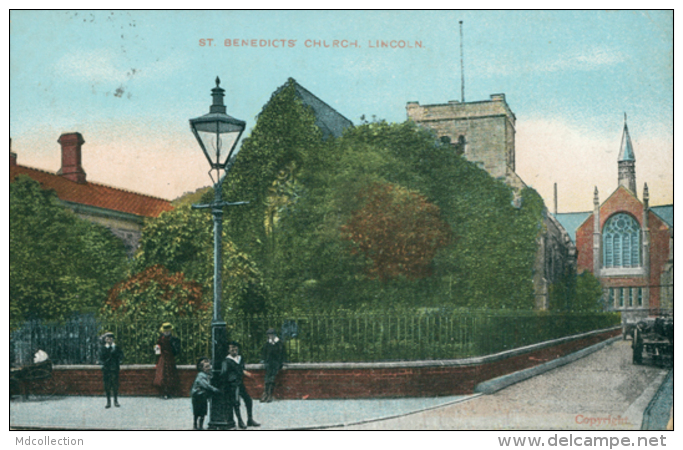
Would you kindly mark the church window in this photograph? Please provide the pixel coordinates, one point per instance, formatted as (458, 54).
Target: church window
(621, 297)
(630, 298)
(640, 297)
(621, 241)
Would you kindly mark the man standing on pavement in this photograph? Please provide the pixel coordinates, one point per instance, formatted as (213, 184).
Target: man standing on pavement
(232, 372)
(273, 356)
(110, 358)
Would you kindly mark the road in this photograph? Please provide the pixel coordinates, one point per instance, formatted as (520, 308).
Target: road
(603, 391)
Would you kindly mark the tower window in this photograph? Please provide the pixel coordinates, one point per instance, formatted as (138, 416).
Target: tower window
(621, 241)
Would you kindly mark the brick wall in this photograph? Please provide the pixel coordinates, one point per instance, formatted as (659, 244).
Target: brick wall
(361, 380)
(623, 201)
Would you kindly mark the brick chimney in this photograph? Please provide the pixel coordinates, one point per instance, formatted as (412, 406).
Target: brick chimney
(12, 155)
(71, 157)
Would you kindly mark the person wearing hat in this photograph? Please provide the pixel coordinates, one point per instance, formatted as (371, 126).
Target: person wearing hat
(273, 356)
(166, 378)
(110, 358)
(232, 372)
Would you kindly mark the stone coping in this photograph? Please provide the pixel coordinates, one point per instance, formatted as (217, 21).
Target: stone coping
(478, 360)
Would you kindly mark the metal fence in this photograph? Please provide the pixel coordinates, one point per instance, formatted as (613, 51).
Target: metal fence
(413, 335)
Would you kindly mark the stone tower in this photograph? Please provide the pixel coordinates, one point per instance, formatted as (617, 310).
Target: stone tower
(483, 132)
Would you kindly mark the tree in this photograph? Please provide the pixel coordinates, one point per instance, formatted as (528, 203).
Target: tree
(157, 293)
(487, 262)
(181, 241)
(59, 263)
(398, 230)
(588, 293)
(574, 292)
(138, 305)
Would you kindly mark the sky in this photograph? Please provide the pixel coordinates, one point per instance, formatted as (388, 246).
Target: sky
(129, 81)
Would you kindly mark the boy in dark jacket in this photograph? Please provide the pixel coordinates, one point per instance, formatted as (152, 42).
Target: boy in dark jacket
(200, 393)
(232, 372)
(110, 358)
(273, 356)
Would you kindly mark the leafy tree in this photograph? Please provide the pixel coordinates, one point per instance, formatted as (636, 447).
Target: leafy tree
(137, 306)
(488, 262)
(181, 241)
(59, 263)
(155, 292)
(588, 293)
(398, 230)
(574, 292)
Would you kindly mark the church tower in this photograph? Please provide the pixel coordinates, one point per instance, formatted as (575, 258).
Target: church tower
(627, 162)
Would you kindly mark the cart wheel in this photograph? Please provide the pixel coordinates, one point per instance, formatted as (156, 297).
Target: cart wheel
(45, 389)
(637, 348)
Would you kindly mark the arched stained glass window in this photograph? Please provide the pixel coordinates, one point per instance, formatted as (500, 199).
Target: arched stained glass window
(621, 241)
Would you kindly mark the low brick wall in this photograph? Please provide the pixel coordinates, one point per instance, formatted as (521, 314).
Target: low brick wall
(350, 380)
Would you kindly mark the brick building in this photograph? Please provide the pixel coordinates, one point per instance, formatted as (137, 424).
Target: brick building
(483, 132)
(123, 212)
(626, 244)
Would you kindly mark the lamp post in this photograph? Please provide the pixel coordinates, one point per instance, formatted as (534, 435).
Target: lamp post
(217, 134)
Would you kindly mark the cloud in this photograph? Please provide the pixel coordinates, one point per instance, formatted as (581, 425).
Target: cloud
(103, 66)
(91, 67)
(585, 60)
(592, 59)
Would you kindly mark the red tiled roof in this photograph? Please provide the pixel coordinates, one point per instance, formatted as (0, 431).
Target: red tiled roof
(94, 194)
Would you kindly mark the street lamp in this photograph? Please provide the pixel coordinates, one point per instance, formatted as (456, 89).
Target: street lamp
(217, 134)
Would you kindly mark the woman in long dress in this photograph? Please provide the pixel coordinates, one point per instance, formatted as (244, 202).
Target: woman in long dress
(166, 378)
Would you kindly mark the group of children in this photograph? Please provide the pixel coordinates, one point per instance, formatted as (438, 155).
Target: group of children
(232, 373)
(230, 384)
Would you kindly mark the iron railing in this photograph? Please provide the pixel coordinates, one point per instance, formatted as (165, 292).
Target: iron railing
(415, 335)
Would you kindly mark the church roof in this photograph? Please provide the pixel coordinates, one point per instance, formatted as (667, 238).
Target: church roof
(664, 212)
(95, 194)
(572, 221)
(330, 122)
(626, 151)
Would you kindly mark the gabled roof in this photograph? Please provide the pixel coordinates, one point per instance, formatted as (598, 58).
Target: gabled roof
(664, 212)
(330, 122)
(94, 194)
(572, 221)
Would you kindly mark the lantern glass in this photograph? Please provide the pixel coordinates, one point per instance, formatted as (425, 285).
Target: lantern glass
(217, 137)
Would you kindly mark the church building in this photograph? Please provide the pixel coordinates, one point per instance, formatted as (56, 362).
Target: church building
(483, 132)
(627, 244)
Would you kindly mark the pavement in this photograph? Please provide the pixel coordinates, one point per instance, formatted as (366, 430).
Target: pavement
(599, 385)
(602, 391)
(143, 413)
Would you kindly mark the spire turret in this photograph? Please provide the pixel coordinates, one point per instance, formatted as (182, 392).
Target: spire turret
(627, 162)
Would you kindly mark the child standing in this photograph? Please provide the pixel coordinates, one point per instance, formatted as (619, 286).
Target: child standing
(200, 393)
